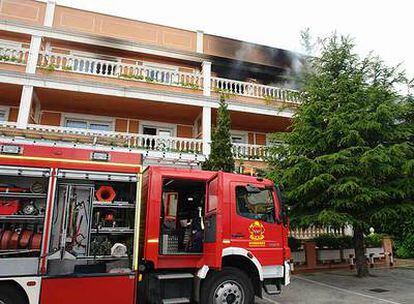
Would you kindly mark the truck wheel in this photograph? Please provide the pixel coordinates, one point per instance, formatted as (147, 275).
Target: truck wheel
(9, 295)
(228, 286)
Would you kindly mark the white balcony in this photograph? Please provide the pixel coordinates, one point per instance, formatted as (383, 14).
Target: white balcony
(115, 140)
(104, 68)
(124, 141)
(117, 69)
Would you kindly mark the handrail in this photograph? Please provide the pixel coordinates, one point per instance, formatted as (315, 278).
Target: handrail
(118, 69)
(244, 88)
(122, 139)
(249, 151)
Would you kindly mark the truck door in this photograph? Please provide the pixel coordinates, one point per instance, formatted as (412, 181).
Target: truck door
(255, 225)
(213, 223)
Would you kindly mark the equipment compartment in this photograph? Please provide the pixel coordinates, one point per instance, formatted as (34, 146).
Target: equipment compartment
(23, 194)
(93, 224)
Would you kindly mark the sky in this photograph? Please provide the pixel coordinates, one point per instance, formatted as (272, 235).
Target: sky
(384, 27)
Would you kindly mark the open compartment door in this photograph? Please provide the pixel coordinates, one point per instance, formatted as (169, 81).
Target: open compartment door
(92, 234)
(213, 223)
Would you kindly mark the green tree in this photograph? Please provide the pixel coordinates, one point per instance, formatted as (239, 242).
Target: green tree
(401, 224)
(221, 156)
(349, 157)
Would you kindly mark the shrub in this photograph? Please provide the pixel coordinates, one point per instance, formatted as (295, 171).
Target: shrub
(405, 247)
(294, 243)
(333, 242)
(374, 240)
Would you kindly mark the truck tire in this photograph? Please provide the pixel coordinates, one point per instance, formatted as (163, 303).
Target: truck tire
(228, 286)
(10, 295)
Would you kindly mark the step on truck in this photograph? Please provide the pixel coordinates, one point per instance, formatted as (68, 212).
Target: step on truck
(84, 226)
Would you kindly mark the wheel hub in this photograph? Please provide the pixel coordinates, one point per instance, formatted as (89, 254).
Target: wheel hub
(229, 292)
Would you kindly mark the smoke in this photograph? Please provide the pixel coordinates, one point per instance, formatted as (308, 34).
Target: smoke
(283, 67)
(292, 73)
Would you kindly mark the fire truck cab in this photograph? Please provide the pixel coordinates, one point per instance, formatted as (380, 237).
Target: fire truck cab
(85, 226)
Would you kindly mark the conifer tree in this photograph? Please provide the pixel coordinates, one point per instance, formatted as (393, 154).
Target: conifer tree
(221, 156)
(349, 157)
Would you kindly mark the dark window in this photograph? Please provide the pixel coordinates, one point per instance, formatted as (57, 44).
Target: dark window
(255, 203)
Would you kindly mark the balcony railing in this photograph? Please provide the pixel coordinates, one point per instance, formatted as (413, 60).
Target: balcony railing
(313, 232)
(105, 68)
(242, 88)
(125, 140)
(249, 152)
(106, 138)
(13, 55)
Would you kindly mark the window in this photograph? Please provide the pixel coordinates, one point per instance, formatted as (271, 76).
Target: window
(4, 113)
(255, 203)
(10, 44)
(99, 126)
(88, 124)
(160, 131)
(3, 116)
(212, 195)
(71, 123)
(238, 138)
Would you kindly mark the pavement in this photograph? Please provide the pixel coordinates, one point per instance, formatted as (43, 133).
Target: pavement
(386, 285)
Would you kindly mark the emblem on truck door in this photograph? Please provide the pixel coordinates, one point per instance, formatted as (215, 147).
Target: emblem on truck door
(257, 236)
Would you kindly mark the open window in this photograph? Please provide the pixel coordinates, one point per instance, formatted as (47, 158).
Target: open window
(182, 216)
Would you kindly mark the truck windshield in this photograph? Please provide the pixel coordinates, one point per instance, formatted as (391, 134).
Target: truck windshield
(257, 205)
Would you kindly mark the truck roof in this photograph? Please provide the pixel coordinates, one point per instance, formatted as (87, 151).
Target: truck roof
(206, 175)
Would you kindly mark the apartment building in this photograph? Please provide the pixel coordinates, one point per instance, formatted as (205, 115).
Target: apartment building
(75, 78)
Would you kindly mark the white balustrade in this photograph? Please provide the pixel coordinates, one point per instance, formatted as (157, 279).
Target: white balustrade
(118, 69)
(127, 140)
(313, 232)
(13, 55)
(96, 67)
(248, 151)
(254, 90)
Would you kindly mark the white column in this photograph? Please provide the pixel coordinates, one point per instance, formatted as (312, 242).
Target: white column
(25, 106)
(200, 42)
(37, 108)
(33, 54)
(206, 67)
(206, 123)
(50, 13)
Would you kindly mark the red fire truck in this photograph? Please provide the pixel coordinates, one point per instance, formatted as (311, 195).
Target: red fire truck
(81, 225)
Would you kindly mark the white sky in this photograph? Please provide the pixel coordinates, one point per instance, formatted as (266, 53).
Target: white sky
(385, 27)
